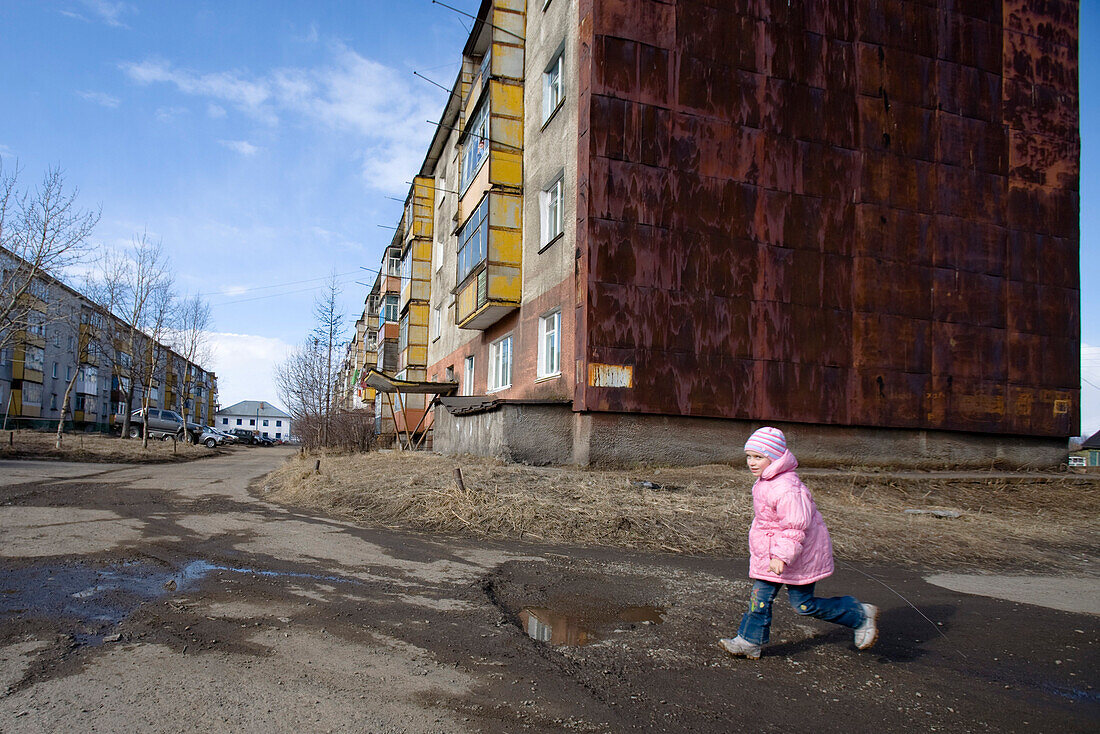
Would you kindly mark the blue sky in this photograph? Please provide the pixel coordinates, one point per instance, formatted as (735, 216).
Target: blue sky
(259, 140)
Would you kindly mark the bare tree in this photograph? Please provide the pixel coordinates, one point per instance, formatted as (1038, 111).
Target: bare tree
(130, 285)
(300, 382)
(154, 354)
(190, 337)
(329, 332)
(85, 330)
(42, 233)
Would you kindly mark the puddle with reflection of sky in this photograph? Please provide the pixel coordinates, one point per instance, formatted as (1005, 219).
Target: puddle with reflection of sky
(89, 600)
(582, 627)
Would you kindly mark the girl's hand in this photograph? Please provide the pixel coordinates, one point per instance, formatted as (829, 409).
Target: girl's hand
(776, 566)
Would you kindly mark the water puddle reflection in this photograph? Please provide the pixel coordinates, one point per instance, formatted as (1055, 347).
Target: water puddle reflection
(586, 626)
(89, 600)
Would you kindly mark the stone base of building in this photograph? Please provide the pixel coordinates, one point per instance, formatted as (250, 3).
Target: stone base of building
(554, 434)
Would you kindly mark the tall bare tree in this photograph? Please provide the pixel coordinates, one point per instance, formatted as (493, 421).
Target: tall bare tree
(329, 333)
(154, 354)
(128, 286)
(42, 233)
(190, 337)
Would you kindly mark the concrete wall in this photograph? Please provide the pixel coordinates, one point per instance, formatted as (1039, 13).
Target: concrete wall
(553, 434)
(529, 434)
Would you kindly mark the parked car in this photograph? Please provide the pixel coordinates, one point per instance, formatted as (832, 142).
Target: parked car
(162, 424)
(211, 438)
(229, 437)
(244, 435)
(265, 441)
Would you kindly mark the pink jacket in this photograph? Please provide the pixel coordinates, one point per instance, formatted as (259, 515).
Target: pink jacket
(786, 525)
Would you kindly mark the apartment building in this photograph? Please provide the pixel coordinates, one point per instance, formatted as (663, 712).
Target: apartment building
(66, 335)
(642, 229)
(257, 416)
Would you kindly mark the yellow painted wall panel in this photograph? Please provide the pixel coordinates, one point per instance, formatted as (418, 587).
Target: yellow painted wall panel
(422, 252)
(506, 210)
(466, 301)
(508, 131)
(418, 314)
(505, 246)
(418, 355)
(507, 99)
(507, 61)
(506, 171)
(504, 284)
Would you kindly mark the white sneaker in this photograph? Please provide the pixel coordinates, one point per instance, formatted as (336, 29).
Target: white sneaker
(867, 633)
(740, 646)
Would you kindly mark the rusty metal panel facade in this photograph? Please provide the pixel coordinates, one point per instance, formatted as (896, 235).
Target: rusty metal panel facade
(861, 212)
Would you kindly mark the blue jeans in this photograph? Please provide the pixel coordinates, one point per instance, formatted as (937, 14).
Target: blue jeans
(756, 624)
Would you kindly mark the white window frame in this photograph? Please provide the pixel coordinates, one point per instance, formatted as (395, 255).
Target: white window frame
(553, 85)
(552, 211)
(468, 375)
(549, 351)
(475, 146)
(500, 364)
(437, 321)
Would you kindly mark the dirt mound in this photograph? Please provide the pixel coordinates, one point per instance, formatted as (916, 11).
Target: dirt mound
(1004, 520)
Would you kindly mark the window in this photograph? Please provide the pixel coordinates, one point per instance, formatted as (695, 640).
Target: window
(278, 424)
(393, 264)
(53, 401)
(32, 393)
(238, 421)
(389, 309)
(55, 370)
(406, 267)
(437, 321)
(265, 421)
(552, 92)
(500, 364)
(552, 212)
(403, 333)
(225, 421)
(68, 373)
(472, 240)
(278, 434)
(468, 376)
(32, 359)
(251, 421)
(550, 345)
(475, 148)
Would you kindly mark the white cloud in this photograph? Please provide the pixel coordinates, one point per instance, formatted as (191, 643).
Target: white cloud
(109, 12)
(215, 111)
(167, 114)
(245, 365)
(229, 86)
(5, 151)
(385, 114)
(1090, 389)
(100, 98)
(241, 146)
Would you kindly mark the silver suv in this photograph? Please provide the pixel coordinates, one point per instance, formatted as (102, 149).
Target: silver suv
(162, 424)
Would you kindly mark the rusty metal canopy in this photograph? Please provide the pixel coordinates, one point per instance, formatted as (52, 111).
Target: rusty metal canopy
(382, 382)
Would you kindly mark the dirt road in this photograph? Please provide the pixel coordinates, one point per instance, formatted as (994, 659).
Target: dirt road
(173, 598)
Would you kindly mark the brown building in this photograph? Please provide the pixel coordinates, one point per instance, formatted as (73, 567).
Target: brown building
(657, 224)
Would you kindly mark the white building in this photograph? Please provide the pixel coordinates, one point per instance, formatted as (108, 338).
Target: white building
(257, 416)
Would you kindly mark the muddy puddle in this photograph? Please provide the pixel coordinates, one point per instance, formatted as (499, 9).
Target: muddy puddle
(582, 625)
(89, 600)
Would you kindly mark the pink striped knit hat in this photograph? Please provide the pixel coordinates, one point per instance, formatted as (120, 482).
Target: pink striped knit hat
(767, 441)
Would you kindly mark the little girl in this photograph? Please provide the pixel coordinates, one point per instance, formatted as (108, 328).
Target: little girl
(789, 544)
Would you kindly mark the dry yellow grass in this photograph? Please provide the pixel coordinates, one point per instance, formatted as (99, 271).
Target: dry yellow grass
(94, 447)
(1020, 521)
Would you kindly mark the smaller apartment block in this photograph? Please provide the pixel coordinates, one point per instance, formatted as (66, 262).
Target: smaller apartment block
(68, 335)
(643, 228)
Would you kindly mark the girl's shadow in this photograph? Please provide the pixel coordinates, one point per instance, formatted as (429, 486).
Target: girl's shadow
(903, 634)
